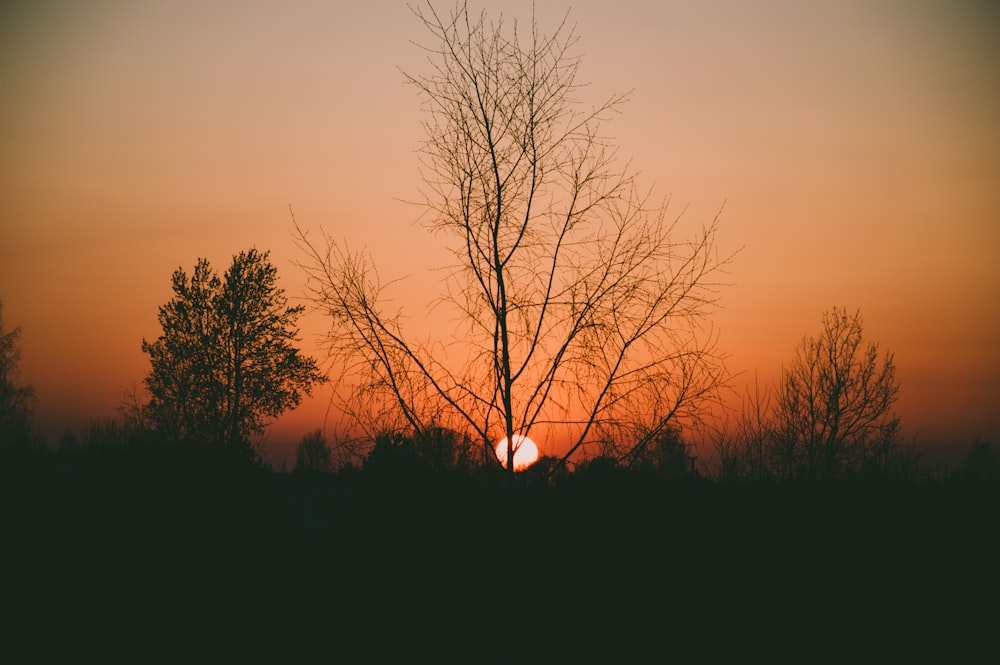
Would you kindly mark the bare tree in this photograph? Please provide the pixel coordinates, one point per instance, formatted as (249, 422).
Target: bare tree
(745, 446)
(834, 403)
(577, 298)
(829, 416)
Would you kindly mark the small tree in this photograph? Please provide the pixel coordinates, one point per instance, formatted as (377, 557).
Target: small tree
(744, 448)
(16, 419)
(313, 454)
(226, 362)
(575, 297)
(828, 417)
(833, 412)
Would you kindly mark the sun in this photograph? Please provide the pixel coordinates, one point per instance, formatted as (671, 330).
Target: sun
(525, 452)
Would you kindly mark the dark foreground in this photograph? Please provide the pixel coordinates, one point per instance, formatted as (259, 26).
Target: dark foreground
(109, 559)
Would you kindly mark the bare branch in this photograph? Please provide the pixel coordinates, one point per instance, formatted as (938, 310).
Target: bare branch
(578, 297)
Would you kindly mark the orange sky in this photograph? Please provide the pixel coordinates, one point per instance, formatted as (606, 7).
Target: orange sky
(855, 144)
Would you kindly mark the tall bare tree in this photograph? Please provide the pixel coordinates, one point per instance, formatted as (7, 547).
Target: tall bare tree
(577, 297)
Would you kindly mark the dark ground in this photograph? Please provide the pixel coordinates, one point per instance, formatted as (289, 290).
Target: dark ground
(101, 556)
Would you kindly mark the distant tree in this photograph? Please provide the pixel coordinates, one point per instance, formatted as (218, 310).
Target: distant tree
(979, 463)
(313, 454)
(659, 450)
(573, 295)
(830, 417)
(106, 435)
(101, 435)
(226, 361)
(548, 470)
(17, 430)
(600, 470)
(436, 451)
(834, 404)
(744, 449)
(135, 415)
(394, 457)
(667, 454)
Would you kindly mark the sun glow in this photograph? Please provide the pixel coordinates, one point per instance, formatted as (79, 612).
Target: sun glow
(525, 452)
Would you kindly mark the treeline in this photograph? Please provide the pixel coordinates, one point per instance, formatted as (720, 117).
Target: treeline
(225, 364)
(439, 456)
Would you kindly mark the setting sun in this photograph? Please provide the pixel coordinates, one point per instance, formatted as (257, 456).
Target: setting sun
(525, 452)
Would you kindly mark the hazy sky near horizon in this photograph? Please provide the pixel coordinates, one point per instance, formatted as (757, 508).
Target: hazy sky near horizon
(852, 146)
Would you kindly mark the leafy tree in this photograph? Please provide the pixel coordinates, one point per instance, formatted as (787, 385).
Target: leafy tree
(436, 451)
(575, 297)
(226, 362)
(16, 419)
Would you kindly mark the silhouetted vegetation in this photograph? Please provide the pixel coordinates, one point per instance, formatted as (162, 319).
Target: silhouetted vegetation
(831, 414)
(17, 427)
(577, 300)
(426, 521)
(312, 454)
(980, 463)
(816, 502)
(660, 451)
(432, 455)
(226, 360)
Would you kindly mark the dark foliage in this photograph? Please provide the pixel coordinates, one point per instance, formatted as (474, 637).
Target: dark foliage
(17, 430)
(980, 462)
(313, 454)
(152, 538)
(419, 456)
(226, 362)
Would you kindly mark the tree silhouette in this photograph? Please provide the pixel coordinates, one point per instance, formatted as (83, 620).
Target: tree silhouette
(576, 299)
(16, 418)
(226, 361)
(744, 452)
(831, 414)
(980, 462)
(834, 403)
(312, 453)
(665, 453)
(436, 452)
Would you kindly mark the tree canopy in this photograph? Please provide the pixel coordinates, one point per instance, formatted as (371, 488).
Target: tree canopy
(226, 362)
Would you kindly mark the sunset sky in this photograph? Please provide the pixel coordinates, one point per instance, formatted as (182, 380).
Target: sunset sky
(854, 147)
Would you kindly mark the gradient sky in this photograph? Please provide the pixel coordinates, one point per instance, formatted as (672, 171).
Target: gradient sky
(855, 146)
